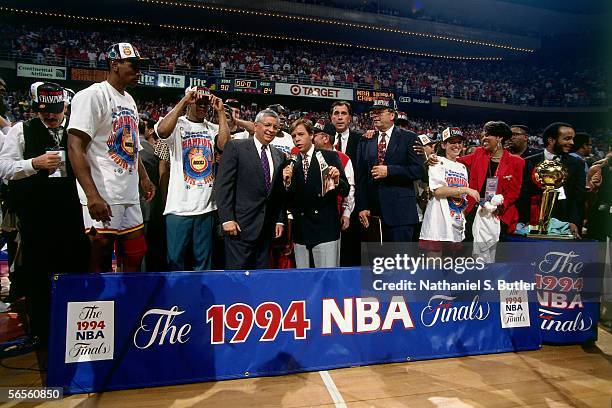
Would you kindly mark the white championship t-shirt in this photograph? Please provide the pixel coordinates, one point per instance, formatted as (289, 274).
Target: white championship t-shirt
(284, 144)
(192, 159)
(241, 135)
(111, 120)
(443, 219)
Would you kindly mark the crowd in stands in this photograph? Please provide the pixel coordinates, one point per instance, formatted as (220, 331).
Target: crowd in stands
(19, 110)
(571, 83)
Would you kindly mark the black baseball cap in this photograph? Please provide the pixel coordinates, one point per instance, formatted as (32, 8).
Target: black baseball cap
(278, 108)
(232, 103)
(328, 129)
(383, 103)
(47, 97)
(401, 118)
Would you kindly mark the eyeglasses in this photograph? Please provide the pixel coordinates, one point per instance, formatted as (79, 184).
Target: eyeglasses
(378, 112)
(270, 126)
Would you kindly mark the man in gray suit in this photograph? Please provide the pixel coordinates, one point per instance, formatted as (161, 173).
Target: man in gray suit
(250, 195)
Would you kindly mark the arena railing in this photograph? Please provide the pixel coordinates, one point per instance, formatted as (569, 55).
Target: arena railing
(274, 76)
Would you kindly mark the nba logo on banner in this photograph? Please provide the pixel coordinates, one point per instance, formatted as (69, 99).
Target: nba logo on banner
(90, 331)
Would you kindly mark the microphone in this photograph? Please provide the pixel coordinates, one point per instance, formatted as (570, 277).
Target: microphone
(291, 160)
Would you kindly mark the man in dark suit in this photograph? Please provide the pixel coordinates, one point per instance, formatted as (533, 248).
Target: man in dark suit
(313, 186)
(558, 140)
(387, 167)
(346, 141)
(519, 142)
(250, 195)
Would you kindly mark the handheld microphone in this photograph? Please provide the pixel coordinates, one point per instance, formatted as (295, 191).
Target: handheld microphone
(291, 160)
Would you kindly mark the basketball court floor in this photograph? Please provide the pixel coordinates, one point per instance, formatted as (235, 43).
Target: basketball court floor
(555, 376)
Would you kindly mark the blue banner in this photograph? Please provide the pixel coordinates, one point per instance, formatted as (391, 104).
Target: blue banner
(568, 283)
(116, 331)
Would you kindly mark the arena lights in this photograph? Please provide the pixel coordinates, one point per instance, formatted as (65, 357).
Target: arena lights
(61, 15)
(267, 36)
(334, 22)
(338, 44)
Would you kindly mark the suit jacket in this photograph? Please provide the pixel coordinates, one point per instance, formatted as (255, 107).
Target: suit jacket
(394, 196)
(241, 194)
(316, 218)
(510, 178)
(572, 208)
(351, 145)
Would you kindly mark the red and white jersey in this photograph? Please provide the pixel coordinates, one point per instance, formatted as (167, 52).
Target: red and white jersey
(111, 120)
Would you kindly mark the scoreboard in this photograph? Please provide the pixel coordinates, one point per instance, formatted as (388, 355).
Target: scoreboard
(366, 95)
(253, 86)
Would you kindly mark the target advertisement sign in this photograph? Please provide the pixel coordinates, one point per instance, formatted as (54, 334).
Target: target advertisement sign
(313, 91)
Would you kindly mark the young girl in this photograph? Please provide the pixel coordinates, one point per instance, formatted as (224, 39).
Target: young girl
(444, 222)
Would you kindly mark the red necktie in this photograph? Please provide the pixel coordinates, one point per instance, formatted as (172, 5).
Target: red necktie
(382, 148)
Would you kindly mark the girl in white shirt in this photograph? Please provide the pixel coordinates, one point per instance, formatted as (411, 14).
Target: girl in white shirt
(444, 223)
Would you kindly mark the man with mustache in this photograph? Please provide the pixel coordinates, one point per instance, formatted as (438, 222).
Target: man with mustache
(42, 190)
(558, 139)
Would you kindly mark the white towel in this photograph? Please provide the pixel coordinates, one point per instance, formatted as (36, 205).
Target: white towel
(486, 229)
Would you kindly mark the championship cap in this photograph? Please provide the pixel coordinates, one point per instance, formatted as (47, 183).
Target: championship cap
(451, 133)
(328, 129)
(384, 103)
(278, 108)
(68, 95)
(425, 140)
(47, 97)
(232, 103)
(202, 92)
(122, 51)
(401, 118)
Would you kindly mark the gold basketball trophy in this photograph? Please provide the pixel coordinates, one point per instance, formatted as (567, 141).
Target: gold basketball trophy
(550, 175)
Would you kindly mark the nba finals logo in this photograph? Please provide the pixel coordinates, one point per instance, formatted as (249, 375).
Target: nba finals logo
(456, 204)
(123, 141)
(198, 159)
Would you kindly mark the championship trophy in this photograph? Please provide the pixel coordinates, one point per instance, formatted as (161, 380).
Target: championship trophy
(549, 175)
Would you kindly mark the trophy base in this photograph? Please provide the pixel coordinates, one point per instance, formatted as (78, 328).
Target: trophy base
(557, 237)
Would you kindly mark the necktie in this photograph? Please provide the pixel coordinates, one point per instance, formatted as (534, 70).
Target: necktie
(339, 138)
(382, 148)
(266, 167)
(557, 158)
(306, 165)
(56, 134)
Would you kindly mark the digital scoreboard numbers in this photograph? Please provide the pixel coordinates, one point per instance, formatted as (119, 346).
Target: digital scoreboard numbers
(253, 86)
(365, 95)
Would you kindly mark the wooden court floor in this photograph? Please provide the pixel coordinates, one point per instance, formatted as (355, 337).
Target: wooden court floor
(567, 376)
